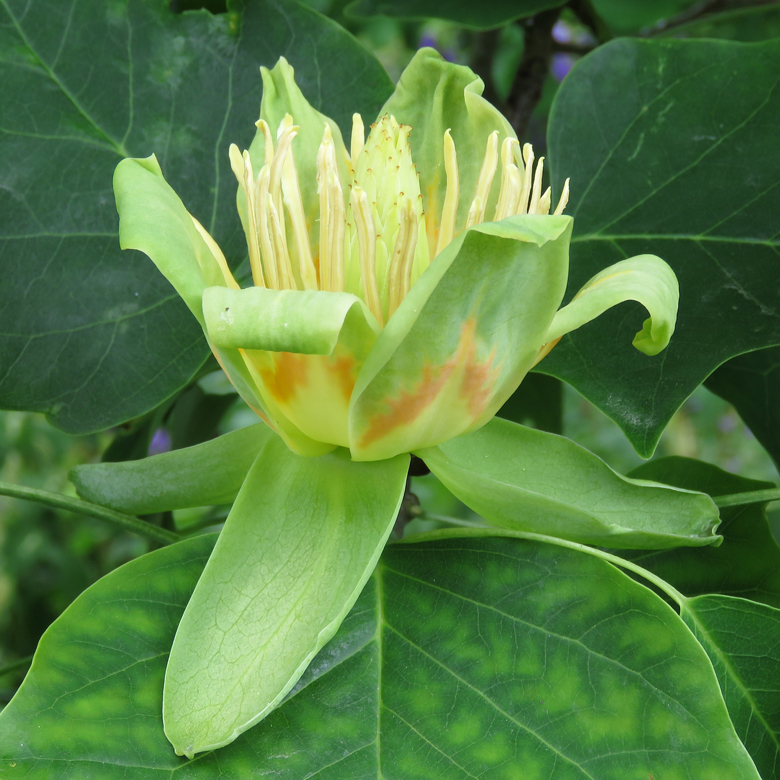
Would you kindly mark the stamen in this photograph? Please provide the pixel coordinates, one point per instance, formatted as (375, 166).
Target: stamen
(403, 248)
(284, 266)
(266, 242)
(294, 201)
(325, 207)
(218, 256)
(533, 208)
(251, 222)
(337, 227)
(528, 156)
(486, 173)
(364, 224)
(358, 138)
(268, 151)
(473, 217)
(504, 194)
(449, 212)
(544, 202)
(563, 200)
(410, 253)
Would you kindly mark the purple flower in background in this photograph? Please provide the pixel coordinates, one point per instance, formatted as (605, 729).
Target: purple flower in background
(161, 442)
(562, 63)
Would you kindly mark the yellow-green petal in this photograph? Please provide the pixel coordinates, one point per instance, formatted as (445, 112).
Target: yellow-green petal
(646, 279)
(464, 337)
(281, 96)
(153, 219)
(303, 350)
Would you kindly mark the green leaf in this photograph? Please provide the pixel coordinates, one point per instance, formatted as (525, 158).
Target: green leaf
(742, 639)
(304, 322)
(203, 475)
(538, 403)
(464, 657)
(297, 548)
(462, 12)
(528, 480)
(751, 383)
(459, 345)
(91, 335)
(633, 127)
(645, 279)
(747, 564)
(623, 17)
(759, 23)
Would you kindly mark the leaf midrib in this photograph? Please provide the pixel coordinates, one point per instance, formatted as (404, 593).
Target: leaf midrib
(115, 146)
(673, 237)
(746, 692)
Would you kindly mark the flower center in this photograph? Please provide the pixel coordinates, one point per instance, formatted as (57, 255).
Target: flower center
(371, 239)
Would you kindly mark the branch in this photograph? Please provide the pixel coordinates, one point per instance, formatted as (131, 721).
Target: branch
(526, 90)
(586, 13)
(128, 522)
(704, 9)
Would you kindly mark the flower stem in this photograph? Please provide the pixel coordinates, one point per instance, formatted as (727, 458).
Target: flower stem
(751, 497)
(128, 522)
(450, 533)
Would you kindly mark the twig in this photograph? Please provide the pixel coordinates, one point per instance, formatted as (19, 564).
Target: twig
(750, 497)
(586, 13)
(526, 90)
(128, 522)
(485, 47)
(703, 9)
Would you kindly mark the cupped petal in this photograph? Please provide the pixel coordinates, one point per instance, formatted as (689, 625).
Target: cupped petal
(309, 323)
(463, 338)
(646, 279)
(304, 351)
(153, 219)
(432, 96)
(298, 546)
(282, 96)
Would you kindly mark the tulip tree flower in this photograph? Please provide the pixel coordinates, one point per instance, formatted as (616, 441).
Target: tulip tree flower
(402, 286)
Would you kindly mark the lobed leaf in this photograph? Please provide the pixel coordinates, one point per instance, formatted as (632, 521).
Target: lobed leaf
(654, 168)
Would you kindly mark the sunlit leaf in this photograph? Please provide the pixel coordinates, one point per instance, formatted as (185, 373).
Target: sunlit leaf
(467, 657)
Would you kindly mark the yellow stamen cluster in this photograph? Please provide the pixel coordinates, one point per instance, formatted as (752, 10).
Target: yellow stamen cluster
(374, 239)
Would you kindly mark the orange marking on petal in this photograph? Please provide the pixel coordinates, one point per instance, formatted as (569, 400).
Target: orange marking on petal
(479, 379)
(345, 370)
(410, 405)
(289, 373)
